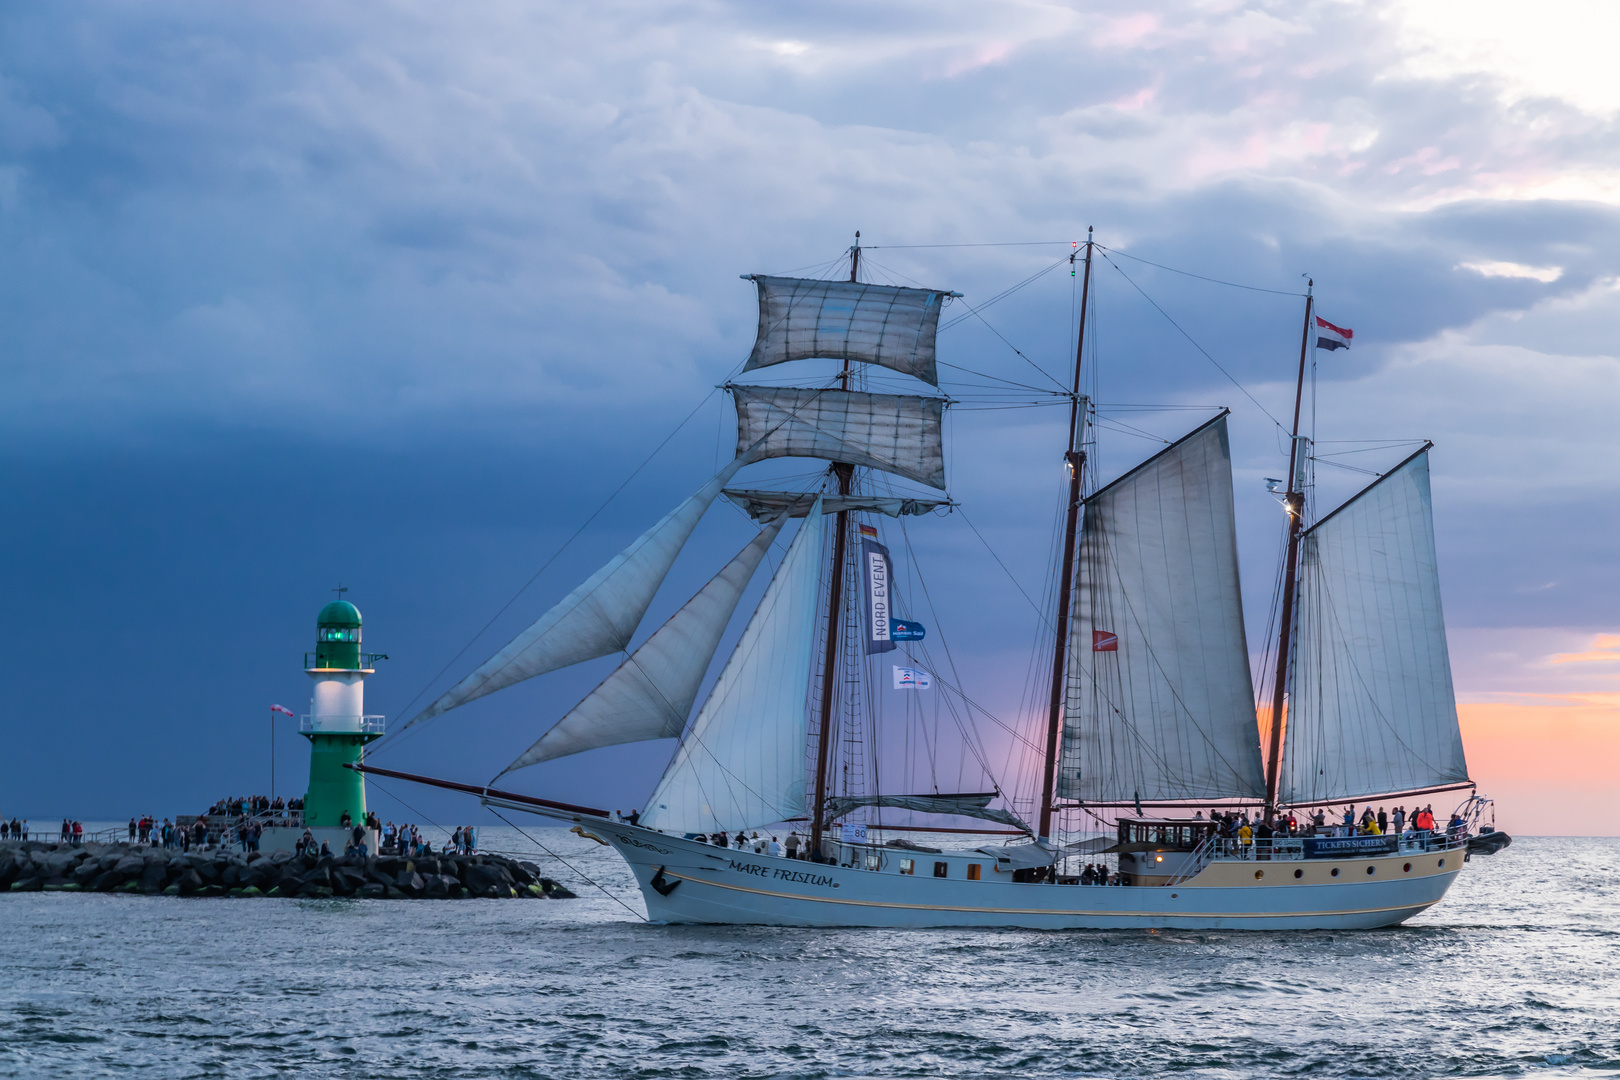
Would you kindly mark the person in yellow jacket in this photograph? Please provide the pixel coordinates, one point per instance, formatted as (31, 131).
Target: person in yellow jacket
(1245, 834)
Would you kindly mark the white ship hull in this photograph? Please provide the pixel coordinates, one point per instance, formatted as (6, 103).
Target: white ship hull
(684, 881)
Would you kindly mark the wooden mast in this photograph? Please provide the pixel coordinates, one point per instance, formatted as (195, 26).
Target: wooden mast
(1295, 503)
(1075, 455)
(835, 603)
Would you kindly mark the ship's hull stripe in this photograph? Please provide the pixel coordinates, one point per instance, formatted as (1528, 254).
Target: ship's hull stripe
(1067, 912)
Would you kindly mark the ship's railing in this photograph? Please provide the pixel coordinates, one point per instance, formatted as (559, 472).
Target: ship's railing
(369, 725)
(1289, 848)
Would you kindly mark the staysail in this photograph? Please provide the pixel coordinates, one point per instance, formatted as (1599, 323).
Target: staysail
(897, 433)
(650, 695)
(741, 764)
(1371, 708)
(597, 618)
(1160, 703)
(890, 326)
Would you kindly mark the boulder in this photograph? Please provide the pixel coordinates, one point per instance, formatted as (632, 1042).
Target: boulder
(8, 869)
(372, 891)
(211, 890)
(104, 881)
(231, 876)
(28, 884)
(411, 883)
(86, 870)
(481, 879)
(129, 866)
(187, 883)
(437, 887)
(556, 891)
(153, 876)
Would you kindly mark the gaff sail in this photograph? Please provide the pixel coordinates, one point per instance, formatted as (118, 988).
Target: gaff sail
(650, 695)
(975, 805)
(1371, 708)
(1160, 701)
(741, 764)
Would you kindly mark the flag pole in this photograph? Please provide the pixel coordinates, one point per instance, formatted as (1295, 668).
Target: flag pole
(1295, 502)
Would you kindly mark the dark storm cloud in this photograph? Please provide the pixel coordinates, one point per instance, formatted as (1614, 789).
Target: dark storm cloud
(286, 291)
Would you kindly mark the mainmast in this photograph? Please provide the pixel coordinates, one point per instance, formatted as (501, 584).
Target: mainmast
(1075, 455)
(1295, 504)
(835, 602)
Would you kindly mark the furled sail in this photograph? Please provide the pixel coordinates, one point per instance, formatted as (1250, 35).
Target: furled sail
(650, 695)
(897, 433)
(975, 805)
(766, 505)
(1371, 708)
(741, 764)
(595, 619)
(845, 320)
(1160, 702)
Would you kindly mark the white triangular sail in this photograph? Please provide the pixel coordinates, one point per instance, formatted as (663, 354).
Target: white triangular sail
(742, 762)
(897, 433)
(650, 695)
(1371, 708)
(888, 325)
(1160, 701)
(597, 618)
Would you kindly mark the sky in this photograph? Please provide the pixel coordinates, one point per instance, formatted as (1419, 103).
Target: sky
(432, 302)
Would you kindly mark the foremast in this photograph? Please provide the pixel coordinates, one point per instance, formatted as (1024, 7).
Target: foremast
(844, 474)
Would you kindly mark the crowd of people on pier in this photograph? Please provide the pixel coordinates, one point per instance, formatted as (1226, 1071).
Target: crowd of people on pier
(15, 829)
(257, 805)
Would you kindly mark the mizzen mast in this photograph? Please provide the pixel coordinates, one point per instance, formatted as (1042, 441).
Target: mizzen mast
(1075, 455)
(1295, 504)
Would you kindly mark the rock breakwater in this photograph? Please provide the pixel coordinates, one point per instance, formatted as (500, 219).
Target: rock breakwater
(31, 866)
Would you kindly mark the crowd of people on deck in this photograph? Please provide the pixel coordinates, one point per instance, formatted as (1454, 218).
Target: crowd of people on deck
(797, 847)
(1401, 821)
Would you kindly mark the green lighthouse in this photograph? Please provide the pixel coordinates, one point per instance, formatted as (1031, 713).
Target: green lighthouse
(337, 727)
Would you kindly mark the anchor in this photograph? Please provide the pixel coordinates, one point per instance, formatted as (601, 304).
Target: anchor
(664, 887)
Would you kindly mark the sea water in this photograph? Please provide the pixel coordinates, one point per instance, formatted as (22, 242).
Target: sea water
(1515, 973)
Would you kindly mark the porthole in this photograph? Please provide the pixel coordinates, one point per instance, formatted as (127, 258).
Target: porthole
(1407, 868)
(1173, 896)
(1442, 862)
(1370, 869)
(1335, 871)
(1299, 873)
(1258, 874)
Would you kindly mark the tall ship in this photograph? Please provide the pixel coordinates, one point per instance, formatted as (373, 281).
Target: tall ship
(1163, 791)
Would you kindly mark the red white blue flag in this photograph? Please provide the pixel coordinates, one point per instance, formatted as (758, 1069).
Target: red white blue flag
(1332, 337)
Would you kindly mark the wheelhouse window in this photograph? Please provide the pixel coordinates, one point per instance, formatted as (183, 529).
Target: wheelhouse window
(973, 871)
(942, 869)
(908, 866)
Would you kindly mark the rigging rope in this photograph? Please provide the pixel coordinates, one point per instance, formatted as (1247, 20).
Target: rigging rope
(373, 782)
(1194, 342)
(389, 739)
(575, 869)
